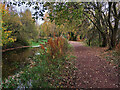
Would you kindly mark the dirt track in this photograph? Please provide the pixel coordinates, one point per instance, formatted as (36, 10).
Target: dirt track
(93, 72)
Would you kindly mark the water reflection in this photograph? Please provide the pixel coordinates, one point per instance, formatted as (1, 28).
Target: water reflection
(14, 60)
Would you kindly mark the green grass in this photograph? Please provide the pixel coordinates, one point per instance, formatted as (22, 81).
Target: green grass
(43, 72)
(41, 41)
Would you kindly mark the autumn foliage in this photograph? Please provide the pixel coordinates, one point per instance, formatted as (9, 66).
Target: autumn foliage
(6, 34)
(57, 47)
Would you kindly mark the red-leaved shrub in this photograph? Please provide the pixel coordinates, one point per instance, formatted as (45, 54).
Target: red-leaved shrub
(57, 47)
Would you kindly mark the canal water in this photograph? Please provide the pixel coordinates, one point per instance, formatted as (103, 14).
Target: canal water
(15, 60)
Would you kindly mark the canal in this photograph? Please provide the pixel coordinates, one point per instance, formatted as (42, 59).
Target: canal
(14, 61)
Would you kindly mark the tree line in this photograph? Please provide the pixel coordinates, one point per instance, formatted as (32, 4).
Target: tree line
(97, 23)
(17, 29)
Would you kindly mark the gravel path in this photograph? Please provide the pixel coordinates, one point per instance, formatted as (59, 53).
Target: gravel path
(93, 72)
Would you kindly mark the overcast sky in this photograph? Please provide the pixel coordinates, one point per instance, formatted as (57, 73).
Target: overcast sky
(23, 7)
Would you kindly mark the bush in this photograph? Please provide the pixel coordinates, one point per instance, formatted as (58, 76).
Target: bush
(57, 47)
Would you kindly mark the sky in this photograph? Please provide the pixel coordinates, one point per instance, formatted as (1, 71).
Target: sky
(23, 7)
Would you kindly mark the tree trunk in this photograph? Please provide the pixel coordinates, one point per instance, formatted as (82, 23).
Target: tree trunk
(116, 21)
(113, 39)
(104, 41)
(89, 42)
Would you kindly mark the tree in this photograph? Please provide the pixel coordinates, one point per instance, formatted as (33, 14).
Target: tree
(113, 16)
(48, 27)
(67, 14)
(106, 20)
(6, 33)
(20, 28)
(29, 29)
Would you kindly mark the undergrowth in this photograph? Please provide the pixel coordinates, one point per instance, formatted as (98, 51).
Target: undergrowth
(48, 69)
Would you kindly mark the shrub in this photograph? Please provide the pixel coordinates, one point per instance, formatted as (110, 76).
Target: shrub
(56, 47)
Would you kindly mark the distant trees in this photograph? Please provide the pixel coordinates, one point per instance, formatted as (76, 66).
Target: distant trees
(21, 27)
(48, 28)
(29, 30)
(66, 17)
(96, 22)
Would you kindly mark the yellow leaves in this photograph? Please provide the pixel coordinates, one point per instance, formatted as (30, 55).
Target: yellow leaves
(3, 5)
(3, 9)
(11, 39)
(9, 31)
(6, 36)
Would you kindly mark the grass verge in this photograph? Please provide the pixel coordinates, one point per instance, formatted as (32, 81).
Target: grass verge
(44, 73)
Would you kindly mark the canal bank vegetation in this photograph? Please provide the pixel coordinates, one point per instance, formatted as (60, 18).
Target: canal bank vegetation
(47, 69)
(18, 29)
